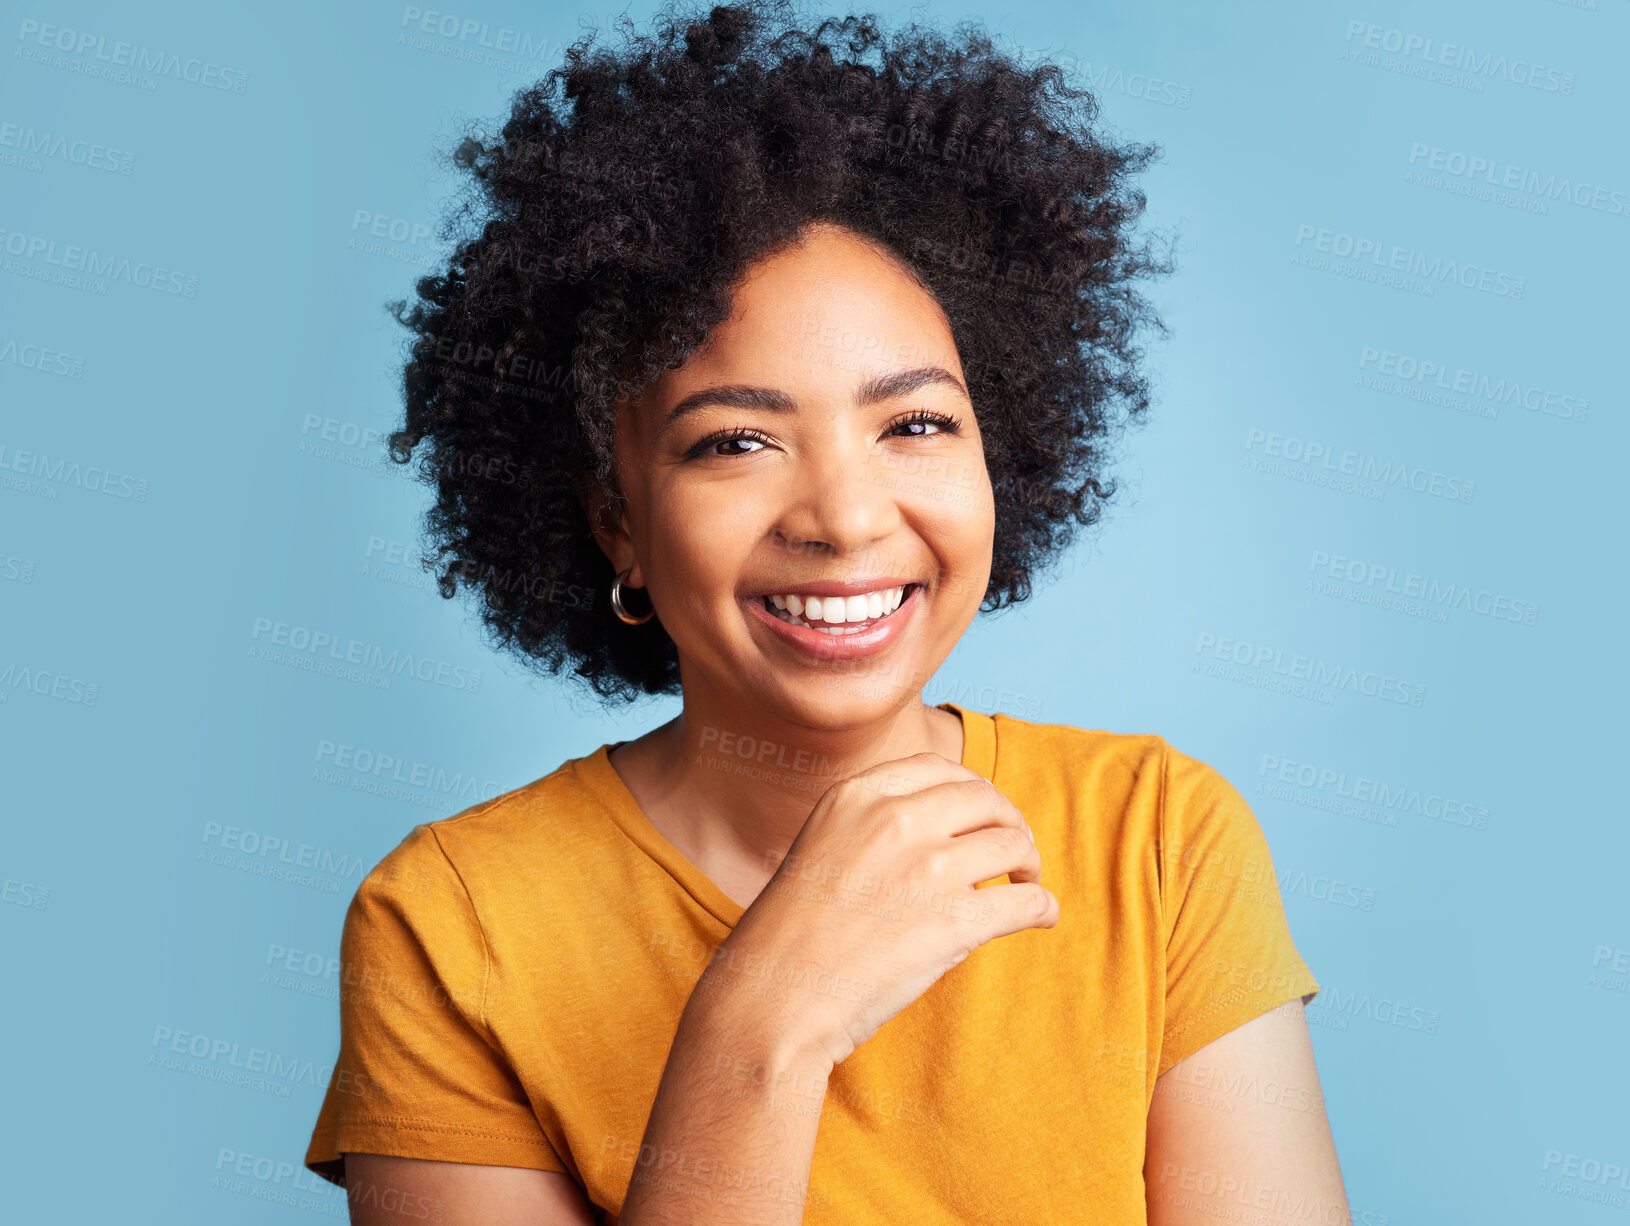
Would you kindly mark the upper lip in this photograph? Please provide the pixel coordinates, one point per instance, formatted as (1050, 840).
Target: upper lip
(835, 587)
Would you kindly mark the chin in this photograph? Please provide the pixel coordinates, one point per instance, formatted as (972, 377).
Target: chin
(853, 692)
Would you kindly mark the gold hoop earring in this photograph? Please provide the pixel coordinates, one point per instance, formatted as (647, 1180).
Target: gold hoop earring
(617, 603)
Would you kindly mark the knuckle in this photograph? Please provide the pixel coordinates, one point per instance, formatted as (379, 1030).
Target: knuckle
(837, 796)
(850, 784)
(935, 863)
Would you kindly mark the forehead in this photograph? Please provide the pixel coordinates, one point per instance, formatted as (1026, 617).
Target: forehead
(833, 305)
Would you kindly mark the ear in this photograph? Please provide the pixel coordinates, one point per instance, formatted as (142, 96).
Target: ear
(608, 521)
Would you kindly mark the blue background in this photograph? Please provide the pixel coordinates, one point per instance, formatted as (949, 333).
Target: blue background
(143, 710)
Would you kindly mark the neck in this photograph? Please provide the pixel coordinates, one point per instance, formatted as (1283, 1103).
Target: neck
(732, 793)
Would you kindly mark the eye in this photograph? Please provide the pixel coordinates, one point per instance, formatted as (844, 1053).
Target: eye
(913, 425)
(942, 423)
(729, 435)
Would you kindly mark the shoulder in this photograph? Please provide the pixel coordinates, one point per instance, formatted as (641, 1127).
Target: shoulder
(1142, 777)
(1077, 755)
(1067, 750)
(1210, 837)
(1199, 798)
(1097, 792)
(488, 845)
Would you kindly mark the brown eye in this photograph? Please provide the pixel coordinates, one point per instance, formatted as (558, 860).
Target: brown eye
(923, 417)
(719, 437)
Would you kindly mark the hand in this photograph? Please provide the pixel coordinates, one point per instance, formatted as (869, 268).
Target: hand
(875, 900)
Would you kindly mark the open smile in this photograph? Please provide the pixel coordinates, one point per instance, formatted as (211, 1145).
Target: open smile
(824, 627)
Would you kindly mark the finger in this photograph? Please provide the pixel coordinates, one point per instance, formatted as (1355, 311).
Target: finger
(983, 854)
(961, 806)
(1013, 908)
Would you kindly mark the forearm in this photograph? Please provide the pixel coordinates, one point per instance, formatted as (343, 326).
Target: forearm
(732, 1130)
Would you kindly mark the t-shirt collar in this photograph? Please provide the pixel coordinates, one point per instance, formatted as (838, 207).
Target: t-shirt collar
(607, 786)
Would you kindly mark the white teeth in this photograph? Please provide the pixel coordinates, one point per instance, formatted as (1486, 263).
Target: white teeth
(837, 614)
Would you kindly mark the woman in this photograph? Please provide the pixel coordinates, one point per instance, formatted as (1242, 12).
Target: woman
(820, 357)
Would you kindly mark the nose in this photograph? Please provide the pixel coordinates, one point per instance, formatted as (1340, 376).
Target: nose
(838, 500)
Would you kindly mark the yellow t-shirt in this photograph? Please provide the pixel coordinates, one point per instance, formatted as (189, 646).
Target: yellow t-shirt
(512, 978)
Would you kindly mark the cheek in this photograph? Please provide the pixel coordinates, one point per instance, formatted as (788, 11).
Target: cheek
(972, 537)
(970, 515)
(698, 547)
(955, 520)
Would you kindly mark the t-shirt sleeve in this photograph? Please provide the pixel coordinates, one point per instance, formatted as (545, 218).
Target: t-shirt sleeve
(1229, 953)
(419, 1073)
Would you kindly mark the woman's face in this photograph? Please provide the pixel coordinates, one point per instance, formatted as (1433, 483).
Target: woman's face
(780, 461)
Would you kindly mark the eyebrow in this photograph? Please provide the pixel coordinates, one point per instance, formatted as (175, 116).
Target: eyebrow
(878, 388)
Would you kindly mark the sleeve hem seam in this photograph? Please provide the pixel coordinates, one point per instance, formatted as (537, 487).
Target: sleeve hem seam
(407, 1123)
(1236, 997)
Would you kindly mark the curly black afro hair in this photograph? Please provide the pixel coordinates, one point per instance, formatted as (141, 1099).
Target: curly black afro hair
(626, 193)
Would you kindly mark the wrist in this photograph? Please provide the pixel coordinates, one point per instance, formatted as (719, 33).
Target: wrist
(756, 1021)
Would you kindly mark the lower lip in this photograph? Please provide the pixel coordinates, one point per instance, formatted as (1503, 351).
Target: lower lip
(842, 646)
